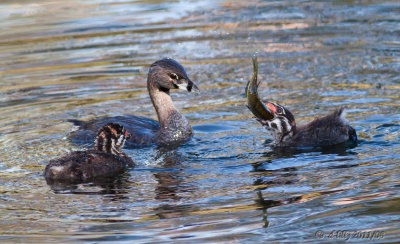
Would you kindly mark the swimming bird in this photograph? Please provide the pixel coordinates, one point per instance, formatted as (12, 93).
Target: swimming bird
(172, 128)
(105, 160)
(329, 130)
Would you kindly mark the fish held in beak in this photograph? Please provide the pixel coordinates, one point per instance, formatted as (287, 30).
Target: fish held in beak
(254, 103)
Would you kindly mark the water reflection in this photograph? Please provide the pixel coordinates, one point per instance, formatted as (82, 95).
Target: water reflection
(171, 185)
(272, 180)
(265, 204)
(116, 186)
(74, 59)
(342, 149)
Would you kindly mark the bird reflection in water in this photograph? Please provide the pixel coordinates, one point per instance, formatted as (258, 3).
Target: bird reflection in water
(267, 178)
(116, 188)
(171, 185)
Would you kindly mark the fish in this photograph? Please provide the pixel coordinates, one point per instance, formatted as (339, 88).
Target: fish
(254, 103)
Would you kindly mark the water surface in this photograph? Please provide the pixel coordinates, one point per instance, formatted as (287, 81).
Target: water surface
(64, 60)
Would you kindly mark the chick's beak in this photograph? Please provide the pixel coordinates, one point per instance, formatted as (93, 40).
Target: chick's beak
(127, 135)
(271, 107)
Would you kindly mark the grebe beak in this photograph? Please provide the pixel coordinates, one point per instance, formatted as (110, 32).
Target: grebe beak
(192, 87)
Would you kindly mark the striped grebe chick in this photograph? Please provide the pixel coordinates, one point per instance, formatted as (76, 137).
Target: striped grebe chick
(105, 160)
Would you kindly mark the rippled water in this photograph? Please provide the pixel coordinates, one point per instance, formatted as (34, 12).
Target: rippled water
(62, 60)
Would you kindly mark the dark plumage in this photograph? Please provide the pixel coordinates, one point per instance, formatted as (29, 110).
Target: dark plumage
(329, 130)
(105, 160)
(171, 127)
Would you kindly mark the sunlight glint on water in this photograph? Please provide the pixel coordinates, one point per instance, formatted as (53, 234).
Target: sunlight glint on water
(63, 60)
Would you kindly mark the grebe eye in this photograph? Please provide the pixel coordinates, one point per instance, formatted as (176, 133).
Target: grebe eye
(174, 76)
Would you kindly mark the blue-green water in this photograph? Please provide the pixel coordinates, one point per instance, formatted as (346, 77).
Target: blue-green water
(64, 60)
